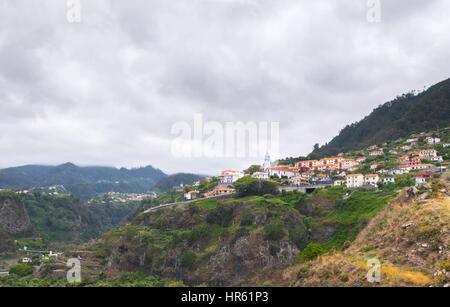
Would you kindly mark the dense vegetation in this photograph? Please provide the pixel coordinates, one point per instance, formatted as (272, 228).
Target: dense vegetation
(407, 114)
(172, 181)
(247, 186)
(65, 218)
(197, 235)
(84, 182)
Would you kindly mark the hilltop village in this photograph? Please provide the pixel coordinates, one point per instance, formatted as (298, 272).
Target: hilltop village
(400, 163)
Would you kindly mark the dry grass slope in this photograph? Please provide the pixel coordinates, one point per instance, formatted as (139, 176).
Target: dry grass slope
(410, 237)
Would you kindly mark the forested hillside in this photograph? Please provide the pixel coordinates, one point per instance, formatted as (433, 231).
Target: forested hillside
(56, 218)
(64, 218)
(407, 114)
(169, 182)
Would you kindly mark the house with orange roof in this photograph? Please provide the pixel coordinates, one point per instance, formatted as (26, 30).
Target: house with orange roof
(371, 179)
(325, 161)
(437, 159)
(308, 163)
(261, 175)
(219, 191)
(324, 167)
(428, 152)
(347, 164)
(298, 181)
(376, 153)
(282, 171)
(192, 195)
(403, 159)
(340, 182)
(355, 180)
(229, 177)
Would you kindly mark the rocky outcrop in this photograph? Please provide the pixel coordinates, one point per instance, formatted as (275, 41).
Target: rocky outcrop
(232, 254)
(14, 221)
(14, 218)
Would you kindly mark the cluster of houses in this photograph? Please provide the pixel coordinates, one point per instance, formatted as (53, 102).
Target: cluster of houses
(303, 173)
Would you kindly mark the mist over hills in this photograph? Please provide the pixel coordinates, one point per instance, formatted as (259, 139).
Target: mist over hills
(84, 182)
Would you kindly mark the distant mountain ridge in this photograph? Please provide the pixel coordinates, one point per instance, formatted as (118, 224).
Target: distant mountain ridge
(167, 183)
(84, 182)
(407, 114)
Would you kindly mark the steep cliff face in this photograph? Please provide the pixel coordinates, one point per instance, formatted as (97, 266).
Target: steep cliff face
(14, 218)
(14, 221)
(231, 243)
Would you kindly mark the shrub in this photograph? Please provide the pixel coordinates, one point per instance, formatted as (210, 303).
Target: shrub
(248, 186)
(298, 235)
(247, 218)
(21, 270)
(311, 252)
(273, 249)
(222, 215)
(274, 232)
(240, 232)
(188, 260)
(200, 232)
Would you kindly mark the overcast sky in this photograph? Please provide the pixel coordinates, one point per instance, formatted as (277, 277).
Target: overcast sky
(108, 90)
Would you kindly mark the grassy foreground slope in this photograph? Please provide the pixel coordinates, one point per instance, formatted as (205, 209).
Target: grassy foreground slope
(236, 242)
(410, 237)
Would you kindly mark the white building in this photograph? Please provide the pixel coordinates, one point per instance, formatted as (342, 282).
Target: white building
(298, 181)
(192, 195)
(387, 180)
(376, 153)
(420, 180)
(371, 179)
(25, 260)
(339, 182)
(261, 175)
(267, 163)
(282, 171)
(229, 177)
(437, 159)
(433, 141)
(399, 171)
(428, 153)
(355, 180)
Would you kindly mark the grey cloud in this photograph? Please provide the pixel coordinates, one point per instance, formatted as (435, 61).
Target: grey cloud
(107, 91)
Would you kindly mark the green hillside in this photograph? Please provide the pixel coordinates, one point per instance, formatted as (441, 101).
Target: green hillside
(84, 182)
(407, 114)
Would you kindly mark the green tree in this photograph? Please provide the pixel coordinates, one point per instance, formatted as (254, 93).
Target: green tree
(248, 186)
(21, 270)
(253, 169)
(311, 252)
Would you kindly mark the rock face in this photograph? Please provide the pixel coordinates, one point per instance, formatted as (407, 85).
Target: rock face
(14, 218)
(234, 263)
(410, 236)
(204, 253)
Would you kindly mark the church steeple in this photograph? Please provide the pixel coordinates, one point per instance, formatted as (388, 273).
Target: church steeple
(267, 162)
